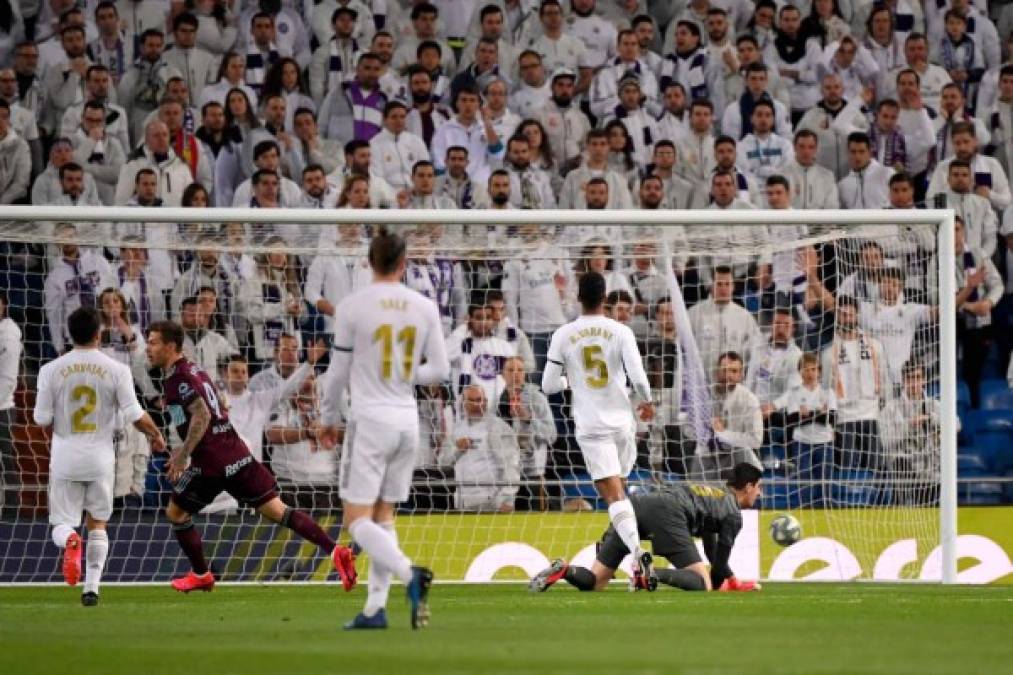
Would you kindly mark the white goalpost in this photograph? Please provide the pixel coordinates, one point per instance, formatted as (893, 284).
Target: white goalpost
(877, 502)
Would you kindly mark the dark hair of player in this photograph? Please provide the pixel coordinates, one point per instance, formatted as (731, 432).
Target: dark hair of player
(592, 291)
(83, 324)
(743, 474)
(386, 251)
(170, 332)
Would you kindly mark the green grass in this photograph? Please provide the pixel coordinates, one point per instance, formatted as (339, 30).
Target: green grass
(290, 630)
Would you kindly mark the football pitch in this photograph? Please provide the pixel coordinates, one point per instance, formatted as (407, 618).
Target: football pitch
(786, 628)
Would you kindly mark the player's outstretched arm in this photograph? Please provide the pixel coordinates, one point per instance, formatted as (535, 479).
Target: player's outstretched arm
(147, 426)
(200, 419)
(634, 366)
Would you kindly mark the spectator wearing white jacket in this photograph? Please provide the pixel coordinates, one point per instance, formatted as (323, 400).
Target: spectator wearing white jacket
(762, 152)
(737, 421)
(173, 175)
(100, 154)
(75, 280)
(271, 301)
(394, 151)
(11, 350)
(98, 86)
(197, 65)
(980, 222)
(525, 408)
(468, 130)
(604, 93)
(202, 345)
(812, 186)
(484, 453)
(867, 186)
(721, 325)
(990, 180)
(833, 119)
(15, 160)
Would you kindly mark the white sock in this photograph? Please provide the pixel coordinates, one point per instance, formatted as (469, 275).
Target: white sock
(61, 533)
(379, 578)
(375, 541)
(95, 559)
(625, 521)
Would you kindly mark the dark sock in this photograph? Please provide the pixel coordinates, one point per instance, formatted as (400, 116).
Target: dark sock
(307, 528)
(687, 580)
(190, 541)
(580, 577)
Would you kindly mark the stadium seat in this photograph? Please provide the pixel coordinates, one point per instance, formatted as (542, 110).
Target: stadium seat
(971, 465)
(963, 393)
(980, 494)
(578, 485)
(992, 386)
(994, 439)
(998, 400)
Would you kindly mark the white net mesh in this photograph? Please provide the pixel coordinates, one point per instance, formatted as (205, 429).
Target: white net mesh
(814, 352)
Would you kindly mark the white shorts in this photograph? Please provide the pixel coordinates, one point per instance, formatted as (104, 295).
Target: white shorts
(377, 461)
(608, 455)
(69, 498)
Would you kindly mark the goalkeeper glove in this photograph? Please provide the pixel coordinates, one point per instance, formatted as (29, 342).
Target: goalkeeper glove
(733, 584)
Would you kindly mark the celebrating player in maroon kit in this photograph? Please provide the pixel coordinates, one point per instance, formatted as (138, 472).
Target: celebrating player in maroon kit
(214, 458)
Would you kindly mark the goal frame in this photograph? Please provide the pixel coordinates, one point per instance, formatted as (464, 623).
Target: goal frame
(942, 219)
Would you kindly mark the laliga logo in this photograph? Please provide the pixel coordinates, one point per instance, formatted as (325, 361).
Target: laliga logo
(841, 563)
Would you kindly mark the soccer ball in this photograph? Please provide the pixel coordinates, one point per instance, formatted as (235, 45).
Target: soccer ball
(785, 530)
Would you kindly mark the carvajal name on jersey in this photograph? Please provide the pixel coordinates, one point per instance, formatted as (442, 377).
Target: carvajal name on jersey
(590, 331)
(86, 368)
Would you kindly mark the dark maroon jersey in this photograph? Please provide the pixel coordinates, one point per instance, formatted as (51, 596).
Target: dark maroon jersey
(221, 448)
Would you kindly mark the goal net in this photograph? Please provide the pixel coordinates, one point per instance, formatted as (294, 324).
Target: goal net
(816, 345)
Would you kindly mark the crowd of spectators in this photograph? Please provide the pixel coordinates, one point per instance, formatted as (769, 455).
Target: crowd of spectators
(518, 104)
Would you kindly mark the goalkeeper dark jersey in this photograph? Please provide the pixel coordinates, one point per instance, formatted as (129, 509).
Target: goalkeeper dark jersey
(672, 517)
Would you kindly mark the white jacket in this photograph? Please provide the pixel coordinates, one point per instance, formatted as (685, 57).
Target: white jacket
(980, 222)
(65, 288)
(117, 124)
(173, 176)
(832, 139)
(866, 189)
(739, 410)
(812, 187)
(722, 328)
(572, 194)
(207, 350)
(198, 67)
(10, 361)
(986, 171)
(105, 170)
(529, 288)
(15, 167)
(393, 157)
(488, 472)
(764, 157)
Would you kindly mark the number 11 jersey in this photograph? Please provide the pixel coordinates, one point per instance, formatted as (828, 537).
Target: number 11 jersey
(597, 354)
(388, 328)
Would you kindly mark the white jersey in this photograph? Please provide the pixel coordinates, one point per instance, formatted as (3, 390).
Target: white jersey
(80, 394)
(388, 328)
(815, 399)
(598, 354)
(895, 327)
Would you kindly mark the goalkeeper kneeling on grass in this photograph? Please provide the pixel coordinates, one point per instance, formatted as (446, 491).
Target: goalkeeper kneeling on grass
(670, 518)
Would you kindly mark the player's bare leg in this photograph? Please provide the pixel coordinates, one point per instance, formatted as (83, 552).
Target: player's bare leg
(199, 577)
(377, 541)
(95, 554)
(65, 537)
(299, 522)
(613, 490)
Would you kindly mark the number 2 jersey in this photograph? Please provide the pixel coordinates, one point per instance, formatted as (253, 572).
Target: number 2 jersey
(80, 394)
(221, 448)
(388, 328)
(597, 354)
